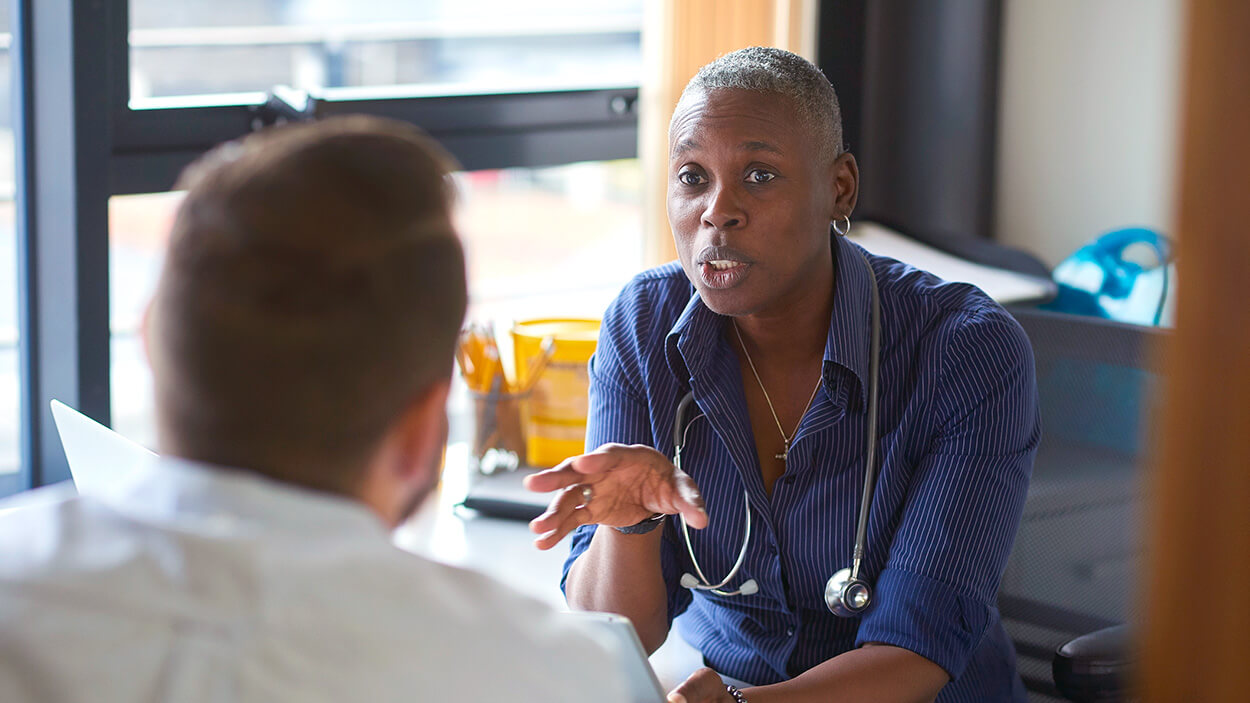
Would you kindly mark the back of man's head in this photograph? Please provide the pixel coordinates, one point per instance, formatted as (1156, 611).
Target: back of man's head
(312, 291)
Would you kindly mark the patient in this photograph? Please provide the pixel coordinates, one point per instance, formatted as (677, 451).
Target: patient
(301, 344)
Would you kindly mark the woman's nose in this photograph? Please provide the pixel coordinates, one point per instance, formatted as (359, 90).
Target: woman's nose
(724, 209)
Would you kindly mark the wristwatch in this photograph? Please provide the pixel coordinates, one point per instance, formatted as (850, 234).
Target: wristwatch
(642, 528)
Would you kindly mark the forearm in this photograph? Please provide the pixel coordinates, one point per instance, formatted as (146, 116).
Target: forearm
(872, 672)
(621, 574)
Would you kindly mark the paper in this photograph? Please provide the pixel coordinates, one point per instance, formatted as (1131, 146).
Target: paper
(1000, 284)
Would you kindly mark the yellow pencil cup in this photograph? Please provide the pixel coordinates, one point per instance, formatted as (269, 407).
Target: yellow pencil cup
(555, 418)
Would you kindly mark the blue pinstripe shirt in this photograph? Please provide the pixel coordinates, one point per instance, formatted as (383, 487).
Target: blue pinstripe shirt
(958, 430)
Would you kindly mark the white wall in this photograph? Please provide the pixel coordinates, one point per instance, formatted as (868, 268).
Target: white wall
(1087, 120)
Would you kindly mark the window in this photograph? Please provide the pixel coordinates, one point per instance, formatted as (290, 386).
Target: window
(542, 106)
(500, 84)
(542, 242)
(10, 378)
(431, 48)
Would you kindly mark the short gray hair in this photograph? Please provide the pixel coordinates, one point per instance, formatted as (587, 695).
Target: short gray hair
(767, 69)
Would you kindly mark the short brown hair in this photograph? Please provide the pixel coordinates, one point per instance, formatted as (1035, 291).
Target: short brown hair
(313, 288)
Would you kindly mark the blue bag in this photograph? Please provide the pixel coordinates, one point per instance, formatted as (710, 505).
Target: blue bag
(1097, 281)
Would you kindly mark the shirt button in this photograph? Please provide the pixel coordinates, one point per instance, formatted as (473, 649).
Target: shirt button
(789, 632)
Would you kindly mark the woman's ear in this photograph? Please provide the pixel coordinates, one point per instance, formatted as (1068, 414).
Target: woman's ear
(846, 185)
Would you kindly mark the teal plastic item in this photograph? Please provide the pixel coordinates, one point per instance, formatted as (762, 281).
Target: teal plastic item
(1097, 281)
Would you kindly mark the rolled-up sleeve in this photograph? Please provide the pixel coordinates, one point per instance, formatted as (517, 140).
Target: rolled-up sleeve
(937, 592)
(618, 413)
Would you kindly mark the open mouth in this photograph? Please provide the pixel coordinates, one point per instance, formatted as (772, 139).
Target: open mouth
(722, 266)
(723, 273)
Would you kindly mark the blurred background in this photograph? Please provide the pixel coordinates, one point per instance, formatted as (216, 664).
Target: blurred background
(1043, 125)
(1029, 141)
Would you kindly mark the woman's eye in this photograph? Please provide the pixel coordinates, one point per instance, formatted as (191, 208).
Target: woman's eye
(690, 178)
(759, 175)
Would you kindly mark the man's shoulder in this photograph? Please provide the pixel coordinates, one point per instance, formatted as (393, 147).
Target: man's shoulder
(463, 619)
(410, 624)
(38, 527)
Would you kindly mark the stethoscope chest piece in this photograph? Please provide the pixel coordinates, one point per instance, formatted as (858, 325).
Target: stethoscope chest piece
(846, 596)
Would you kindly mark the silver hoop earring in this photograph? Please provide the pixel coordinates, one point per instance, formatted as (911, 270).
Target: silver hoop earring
(842, 232)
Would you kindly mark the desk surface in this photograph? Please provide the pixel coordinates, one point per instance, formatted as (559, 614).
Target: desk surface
(504, 550)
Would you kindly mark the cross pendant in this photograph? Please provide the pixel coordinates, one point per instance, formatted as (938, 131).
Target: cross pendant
(785, 453)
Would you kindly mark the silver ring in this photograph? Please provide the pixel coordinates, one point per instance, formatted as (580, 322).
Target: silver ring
(842, 232)
(587, 494)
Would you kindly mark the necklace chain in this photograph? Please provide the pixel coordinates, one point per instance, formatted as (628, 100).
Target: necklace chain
(769, 400)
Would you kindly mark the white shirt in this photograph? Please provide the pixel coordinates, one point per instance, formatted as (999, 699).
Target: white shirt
(203, 584)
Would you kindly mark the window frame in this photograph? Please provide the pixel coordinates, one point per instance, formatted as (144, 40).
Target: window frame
(78, 143)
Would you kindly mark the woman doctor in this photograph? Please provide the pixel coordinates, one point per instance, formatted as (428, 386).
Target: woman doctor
(767, 324)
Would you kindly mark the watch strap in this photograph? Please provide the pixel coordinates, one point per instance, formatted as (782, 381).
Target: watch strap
(643, 527)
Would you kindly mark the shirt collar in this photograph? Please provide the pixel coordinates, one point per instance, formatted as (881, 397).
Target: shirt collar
(690, 342)
(172, 490)
(850, 323)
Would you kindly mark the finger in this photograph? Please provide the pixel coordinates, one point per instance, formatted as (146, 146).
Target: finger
(703, 686)
(575, 469)
(561, 506)
(562, 476)
(573, 520)
(689, 502)
(583, 469)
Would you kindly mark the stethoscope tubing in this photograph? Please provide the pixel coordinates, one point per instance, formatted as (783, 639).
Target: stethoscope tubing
(681, 428)
(870, 467)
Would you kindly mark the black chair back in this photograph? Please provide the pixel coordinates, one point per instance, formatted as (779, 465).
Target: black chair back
(1074, 564)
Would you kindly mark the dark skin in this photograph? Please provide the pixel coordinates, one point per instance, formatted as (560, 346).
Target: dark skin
(756, 189)
(750, 199)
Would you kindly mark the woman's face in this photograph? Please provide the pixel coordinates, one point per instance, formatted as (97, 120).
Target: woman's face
(751, 194)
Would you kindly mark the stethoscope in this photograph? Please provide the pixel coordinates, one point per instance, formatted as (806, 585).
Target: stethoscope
(846, 594)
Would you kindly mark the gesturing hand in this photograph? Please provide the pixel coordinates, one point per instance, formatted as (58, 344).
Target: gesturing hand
(627, 485)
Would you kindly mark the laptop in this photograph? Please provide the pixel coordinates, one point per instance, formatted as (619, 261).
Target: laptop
(619, 632)
(99, 458)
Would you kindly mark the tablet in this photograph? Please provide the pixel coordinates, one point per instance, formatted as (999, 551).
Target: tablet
(644, 687)
(100, 460)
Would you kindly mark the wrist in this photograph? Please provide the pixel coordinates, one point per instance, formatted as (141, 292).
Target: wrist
(736, 694)
(644, 526)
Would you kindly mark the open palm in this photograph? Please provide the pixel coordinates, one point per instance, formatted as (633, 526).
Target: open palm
(627, 484)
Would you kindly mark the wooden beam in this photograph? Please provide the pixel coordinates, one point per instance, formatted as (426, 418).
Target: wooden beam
(1196, 637)
(679, 37)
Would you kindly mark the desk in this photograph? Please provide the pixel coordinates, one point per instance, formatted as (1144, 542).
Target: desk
(504, 550)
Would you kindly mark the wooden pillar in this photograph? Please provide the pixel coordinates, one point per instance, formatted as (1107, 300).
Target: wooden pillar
(680, 36)
(1196, 638)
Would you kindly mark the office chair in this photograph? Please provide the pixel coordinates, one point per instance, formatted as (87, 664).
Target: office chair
(1069, 581)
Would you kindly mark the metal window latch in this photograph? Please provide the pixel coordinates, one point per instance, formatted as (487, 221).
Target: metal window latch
(284, 104)
(621, 105)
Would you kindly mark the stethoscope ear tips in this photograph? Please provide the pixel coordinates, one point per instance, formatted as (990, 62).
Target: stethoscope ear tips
(688, 580)
(749, 587)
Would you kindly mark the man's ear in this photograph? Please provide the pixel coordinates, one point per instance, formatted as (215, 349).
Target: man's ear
(423, 429)
(145, 333)
(845, 184)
